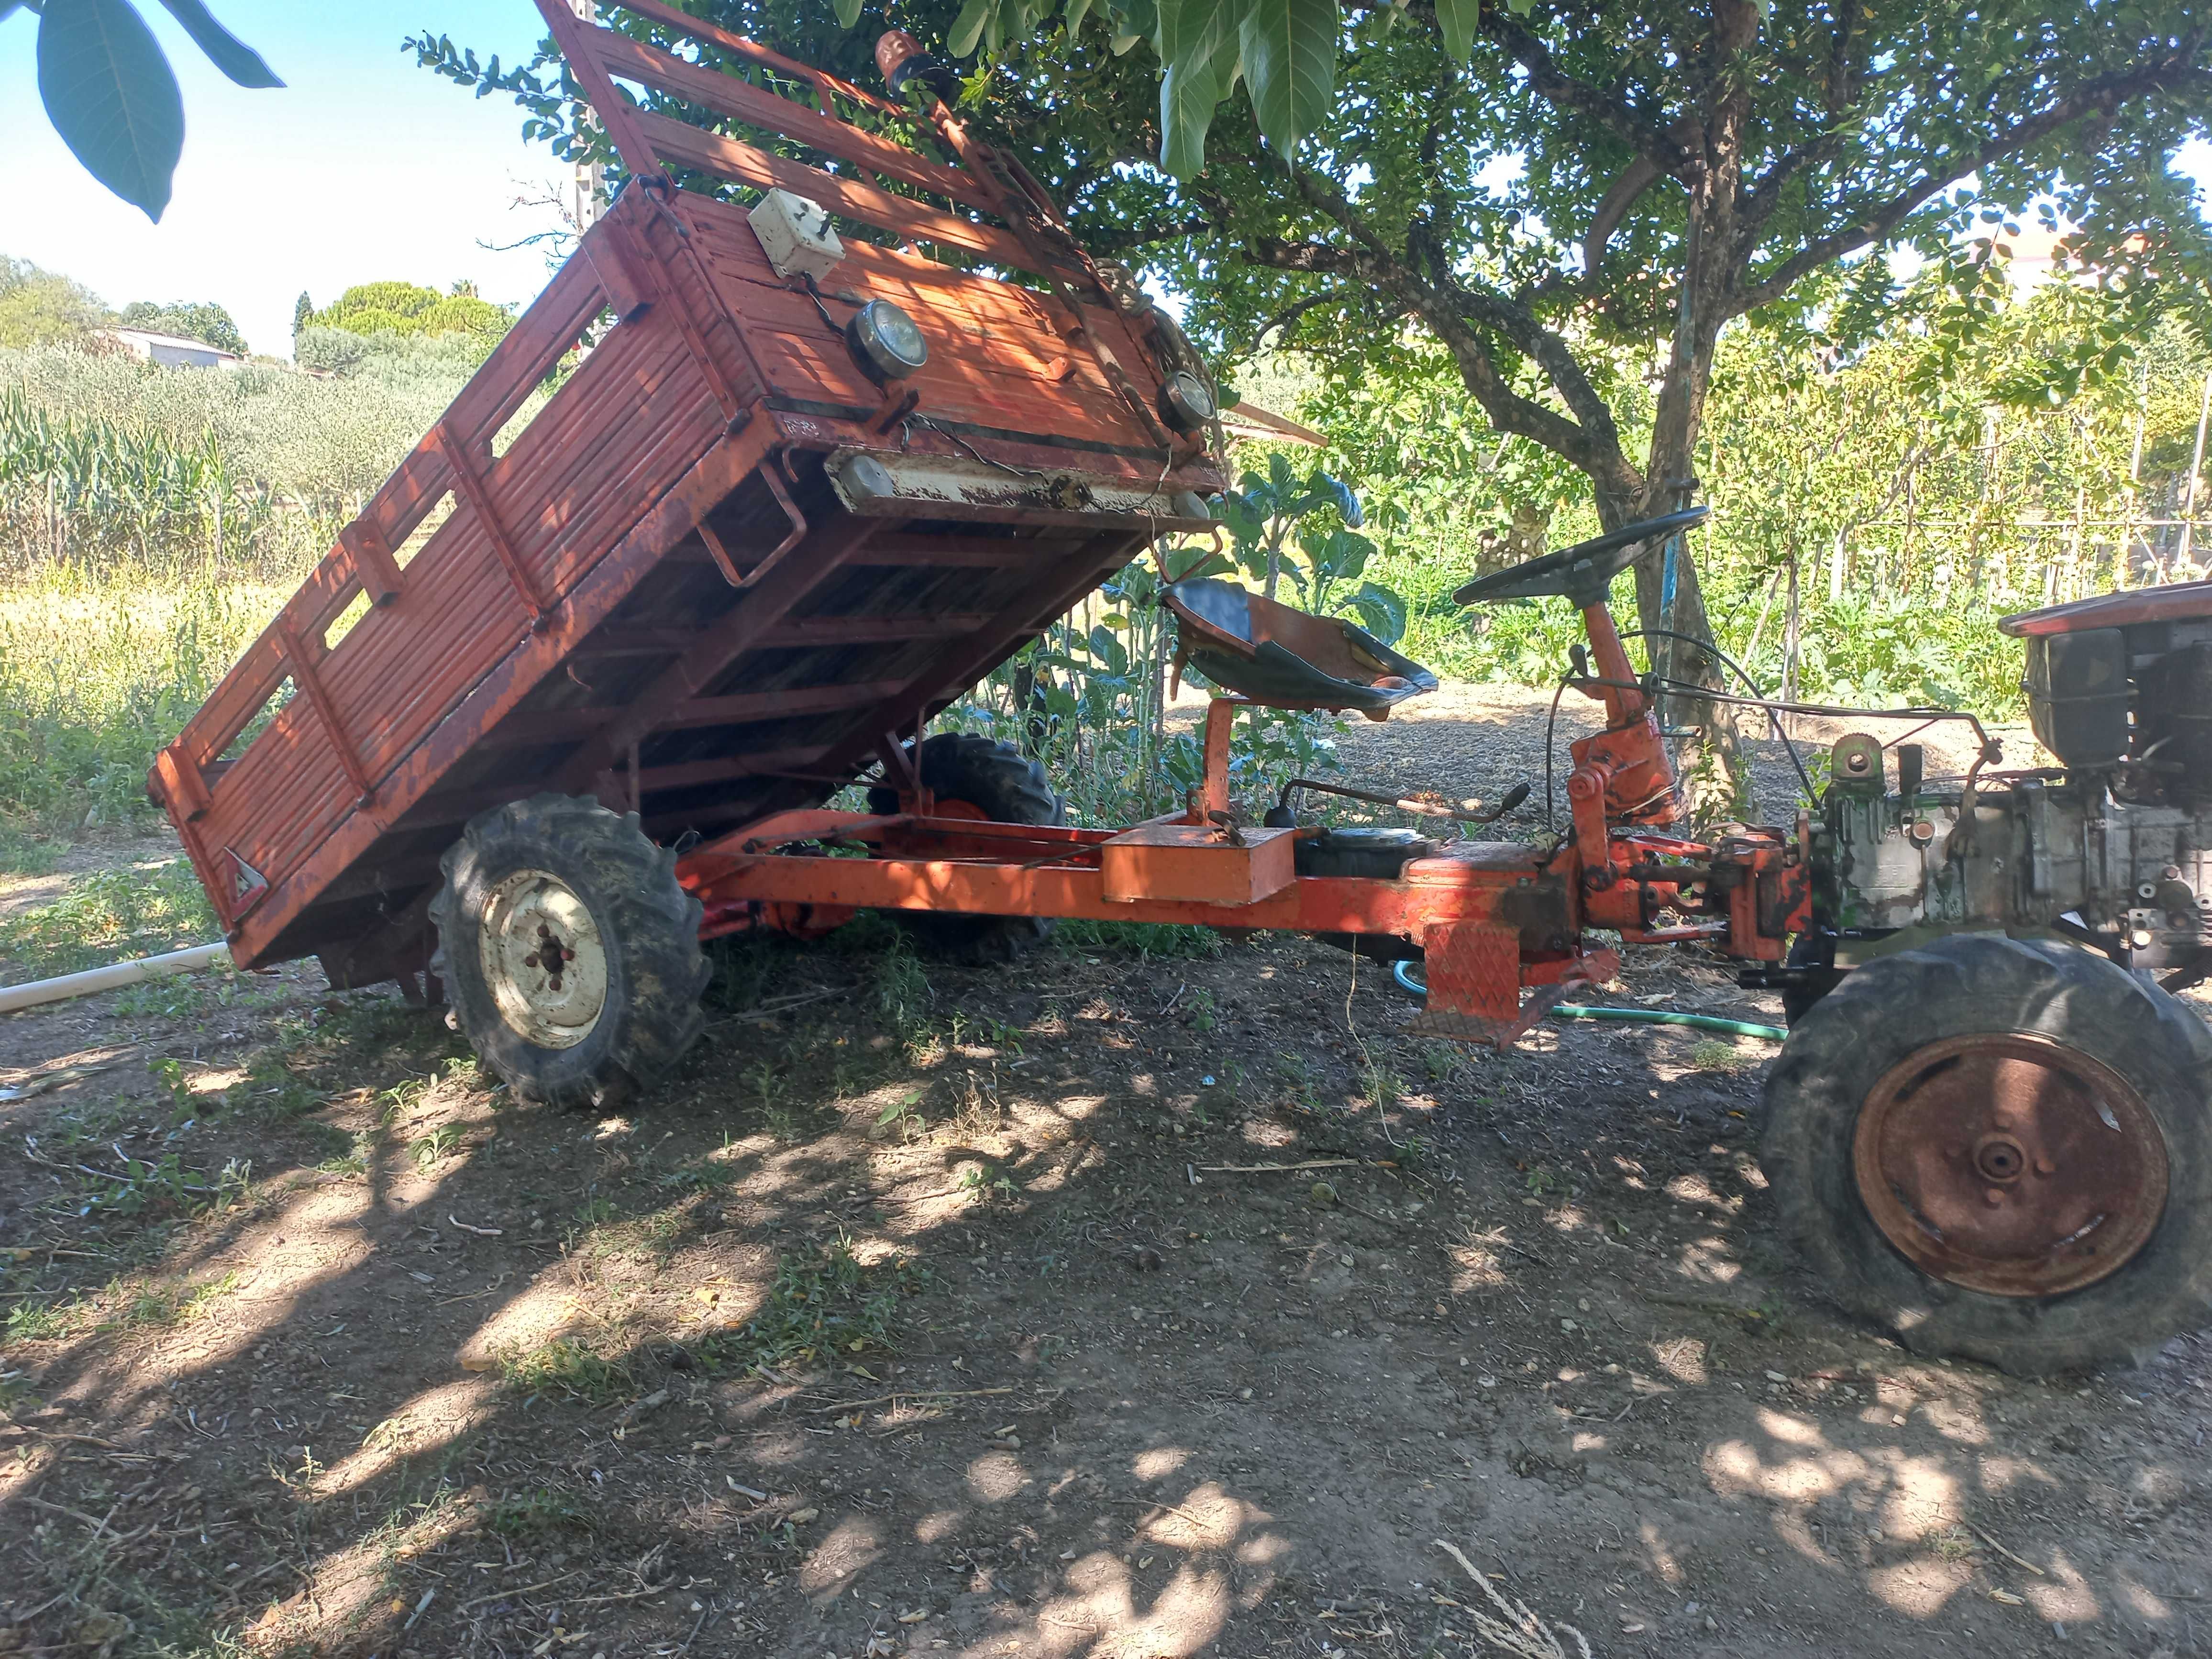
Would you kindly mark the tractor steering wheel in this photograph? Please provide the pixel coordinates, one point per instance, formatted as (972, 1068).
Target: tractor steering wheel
(1581, 573)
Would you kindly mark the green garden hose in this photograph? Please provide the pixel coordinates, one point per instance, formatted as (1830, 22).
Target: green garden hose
(1403, 972)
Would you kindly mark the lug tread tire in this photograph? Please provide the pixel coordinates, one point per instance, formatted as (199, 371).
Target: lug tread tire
(1002, 783)
(1897, 1004)
(656, 971)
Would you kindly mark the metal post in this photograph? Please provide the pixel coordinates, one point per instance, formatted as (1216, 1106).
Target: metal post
(590, 193)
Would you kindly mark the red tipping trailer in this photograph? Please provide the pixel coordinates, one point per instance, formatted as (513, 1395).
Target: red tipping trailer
(742, 550)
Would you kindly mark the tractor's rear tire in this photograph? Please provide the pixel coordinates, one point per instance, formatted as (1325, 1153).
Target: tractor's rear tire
(2000, 1149)
(963, 768)
(568, 951)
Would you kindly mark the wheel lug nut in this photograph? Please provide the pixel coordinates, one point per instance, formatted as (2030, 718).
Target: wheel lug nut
(2043, 1166)
(1993, 1195)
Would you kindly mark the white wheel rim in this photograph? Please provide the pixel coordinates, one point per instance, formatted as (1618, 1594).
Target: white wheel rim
(543, 960)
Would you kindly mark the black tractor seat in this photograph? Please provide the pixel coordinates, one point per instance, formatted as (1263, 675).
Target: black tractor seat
(1282, 657)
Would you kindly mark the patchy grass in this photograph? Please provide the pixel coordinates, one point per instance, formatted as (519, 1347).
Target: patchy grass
(107, 916)
(567, 1365)
(27, 855)
(535, 1511)
(1146, 940)
(827, 1303)
(1714, 1055)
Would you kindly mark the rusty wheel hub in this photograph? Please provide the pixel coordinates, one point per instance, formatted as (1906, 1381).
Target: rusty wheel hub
(2010, 1164)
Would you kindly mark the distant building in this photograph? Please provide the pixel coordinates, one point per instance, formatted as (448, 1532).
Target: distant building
(169, 350)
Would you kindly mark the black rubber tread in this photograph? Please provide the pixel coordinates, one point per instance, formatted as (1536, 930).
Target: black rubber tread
(655, 969)
(1000, 782)
(1896, 1004)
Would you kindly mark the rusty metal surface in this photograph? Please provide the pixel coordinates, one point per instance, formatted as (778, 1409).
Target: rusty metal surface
(2010, 1164)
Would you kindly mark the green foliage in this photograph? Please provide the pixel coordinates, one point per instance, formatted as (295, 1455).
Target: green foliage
(210, 323)
(567, 1365)
(43, 307)
(107, 916)
(96, 675)
(402, 308)
(112, 95)
(825, 1305)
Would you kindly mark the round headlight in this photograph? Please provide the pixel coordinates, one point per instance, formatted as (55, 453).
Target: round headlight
(886, 340)
(1186, 401)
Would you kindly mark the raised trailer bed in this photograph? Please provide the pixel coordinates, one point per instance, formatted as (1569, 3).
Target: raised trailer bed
(681, 545)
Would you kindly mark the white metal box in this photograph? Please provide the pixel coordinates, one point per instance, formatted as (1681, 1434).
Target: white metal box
(795, 234)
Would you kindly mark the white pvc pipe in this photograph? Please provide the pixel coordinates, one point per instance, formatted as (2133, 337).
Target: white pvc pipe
(13, 997)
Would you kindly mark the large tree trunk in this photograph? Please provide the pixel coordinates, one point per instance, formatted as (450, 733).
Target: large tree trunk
(1670, 600)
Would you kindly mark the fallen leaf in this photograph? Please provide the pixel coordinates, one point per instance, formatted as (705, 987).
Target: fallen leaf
(800, 1518)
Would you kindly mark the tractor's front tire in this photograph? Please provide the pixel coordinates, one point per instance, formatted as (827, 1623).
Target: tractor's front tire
(998, 781)
(568, 950)
(2000, 1149)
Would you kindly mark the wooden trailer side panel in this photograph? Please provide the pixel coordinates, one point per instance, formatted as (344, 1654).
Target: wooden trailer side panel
(523, 529)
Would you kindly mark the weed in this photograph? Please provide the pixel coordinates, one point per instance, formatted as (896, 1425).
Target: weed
(1441, 1059)
(170, 1074)
(1713, 1055)
(902, 993)
(107, 916)
(537, 1510)
(157, 1306)
(403, 1097)
(903, 1115)
(439, 1143)
(1540, 1182)
(1379, 1083)
(359, 1148)
(597, 1212)
(37, 1321)
(987, 1182)
(1200, 1013)
(26, 855)
(823, 1305)
(1002, 1036)
(1299, 1077)
(566, 1365)
(1149, 940)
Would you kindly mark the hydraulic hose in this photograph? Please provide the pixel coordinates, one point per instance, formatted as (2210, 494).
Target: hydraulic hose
(1403, 972)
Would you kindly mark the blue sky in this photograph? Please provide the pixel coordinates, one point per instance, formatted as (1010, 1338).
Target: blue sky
(362, 168)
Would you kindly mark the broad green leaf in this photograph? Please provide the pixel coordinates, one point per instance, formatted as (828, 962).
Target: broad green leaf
(112, 96)
(230, 54)
(848, 13)
(1290, 63)
(1279, 474)
(1076, 11)
(1457, 19)
(967, 27)
(1197, 50)
(1335, 490)
(1381, 612)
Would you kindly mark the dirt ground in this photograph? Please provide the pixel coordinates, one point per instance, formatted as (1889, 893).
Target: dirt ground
(970, 1310)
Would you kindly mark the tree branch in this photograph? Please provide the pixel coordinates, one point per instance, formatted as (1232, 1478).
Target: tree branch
(2101, 97)
(1634, 127)
(1135, 236)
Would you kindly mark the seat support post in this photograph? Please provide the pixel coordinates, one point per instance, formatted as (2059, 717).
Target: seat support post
(1213, 790)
